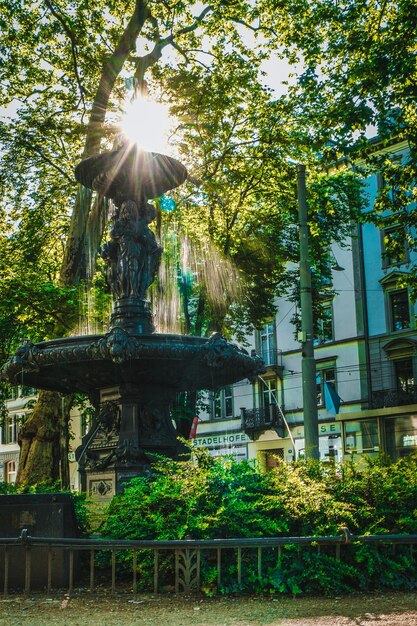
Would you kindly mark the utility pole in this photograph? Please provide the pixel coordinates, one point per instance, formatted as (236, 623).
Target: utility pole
(308, 364)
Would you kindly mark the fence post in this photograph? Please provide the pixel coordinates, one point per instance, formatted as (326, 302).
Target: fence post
(49, 583)
(135, 565)
(155, 569)
(6, 570)
(27, 569)
(260, 561)
(92, 570)
(71, 572)
(113, 571)
(198, 565)
(177, 571)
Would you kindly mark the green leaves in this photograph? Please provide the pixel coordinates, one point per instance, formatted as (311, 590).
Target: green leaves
(209, 498)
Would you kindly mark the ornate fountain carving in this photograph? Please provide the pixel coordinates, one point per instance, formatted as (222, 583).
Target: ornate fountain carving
(132, 254)
(142, 370)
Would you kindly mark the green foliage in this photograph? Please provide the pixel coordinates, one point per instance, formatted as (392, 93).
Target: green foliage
(355, 76)
(208, 498)
(309, 571)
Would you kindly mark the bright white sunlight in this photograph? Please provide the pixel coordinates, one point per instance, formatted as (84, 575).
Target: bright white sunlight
(147, 123)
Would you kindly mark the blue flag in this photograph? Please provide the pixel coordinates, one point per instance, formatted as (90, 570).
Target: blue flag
(331, 399)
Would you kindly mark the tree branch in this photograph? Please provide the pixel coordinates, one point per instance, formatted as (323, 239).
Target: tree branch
(143, 63)
(111, 71)
(255, 29)
(72, 38)
(34, 148)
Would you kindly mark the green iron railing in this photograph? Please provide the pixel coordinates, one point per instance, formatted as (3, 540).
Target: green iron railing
(187, 556)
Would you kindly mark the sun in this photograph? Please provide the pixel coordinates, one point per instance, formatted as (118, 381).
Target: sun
(147, 124)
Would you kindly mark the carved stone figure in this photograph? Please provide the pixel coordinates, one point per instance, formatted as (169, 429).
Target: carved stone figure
(129, 453)
(108, 417)
(133, 253)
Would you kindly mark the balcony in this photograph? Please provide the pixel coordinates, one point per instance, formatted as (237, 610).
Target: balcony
(393, 397)
(256, 421)
(272, 360)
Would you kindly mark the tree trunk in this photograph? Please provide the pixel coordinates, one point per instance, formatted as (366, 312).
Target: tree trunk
(39, 440)
(75, 258)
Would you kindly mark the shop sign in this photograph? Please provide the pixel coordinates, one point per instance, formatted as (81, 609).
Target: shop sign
(330, 429)
(409, 440)
(221, 440)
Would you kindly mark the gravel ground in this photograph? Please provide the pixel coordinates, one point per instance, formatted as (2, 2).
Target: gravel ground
(103, 610)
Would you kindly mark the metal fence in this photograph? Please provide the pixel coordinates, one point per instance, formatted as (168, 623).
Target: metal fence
(186, 563)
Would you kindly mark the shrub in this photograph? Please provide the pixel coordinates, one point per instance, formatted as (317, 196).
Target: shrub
(207, 498)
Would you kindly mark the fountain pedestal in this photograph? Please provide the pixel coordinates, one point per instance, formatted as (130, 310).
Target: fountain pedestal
(133, 315)
(133, 427)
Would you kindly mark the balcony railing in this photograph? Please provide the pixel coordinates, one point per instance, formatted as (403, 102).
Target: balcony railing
(271, 358)
(393, 397)
(256, 421)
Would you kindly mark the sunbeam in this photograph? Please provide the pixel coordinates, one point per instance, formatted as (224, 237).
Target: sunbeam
(147, 123)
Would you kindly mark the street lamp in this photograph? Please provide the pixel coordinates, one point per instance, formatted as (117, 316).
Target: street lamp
(308, 364)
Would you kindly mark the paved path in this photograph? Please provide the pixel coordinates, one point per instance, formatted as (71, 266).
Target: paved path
(104, 610)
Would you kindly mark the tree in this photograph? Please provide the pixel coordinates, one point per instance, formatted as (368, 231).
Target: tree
(63, 71)
(62, 75)
(356, 69)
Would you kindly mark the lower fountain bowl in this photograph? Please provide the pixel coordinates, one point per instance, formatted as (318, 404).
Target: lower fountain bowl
(92, 362)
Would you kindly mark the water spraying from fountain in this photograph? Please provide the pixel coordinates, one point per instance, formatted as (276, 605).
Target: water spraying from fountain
(189, 266)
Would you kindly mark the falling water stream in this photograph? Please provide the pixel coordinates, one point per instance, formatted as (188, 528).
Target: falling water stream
(93, 316)
(187, 264)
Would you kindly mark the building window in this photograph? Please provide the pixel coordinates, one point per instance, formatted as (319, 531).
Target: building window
(267, 344)
(223, 403)
(85, 423)
(394, 248)
(269, 393)
(10, 471)
(388, 185)
(324, 332)
(361, 436)
(404, 375)
(11, 429)
(325, 376)
(401, 435)
(399, 309)
(269, 399)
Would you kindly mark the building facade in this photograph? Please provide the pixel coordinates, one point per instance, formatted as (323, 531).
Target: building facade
(365, 355)
(387, 419)
(19, 403)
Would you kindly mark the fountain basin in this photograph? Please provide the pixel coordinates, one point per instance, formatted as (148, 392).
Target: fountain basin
(130, 172)
(93, 362)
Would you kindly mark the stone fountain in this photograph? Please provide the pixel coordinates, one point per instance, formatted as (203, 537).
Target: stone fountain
(131, 374)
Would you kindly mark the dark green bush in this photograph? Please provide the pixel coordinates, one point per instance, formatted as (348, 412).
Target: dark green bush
(207, 498)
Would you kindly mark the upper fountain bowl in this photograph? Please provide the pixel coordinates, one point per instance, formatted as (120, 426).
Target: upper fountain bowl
(130, 173)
